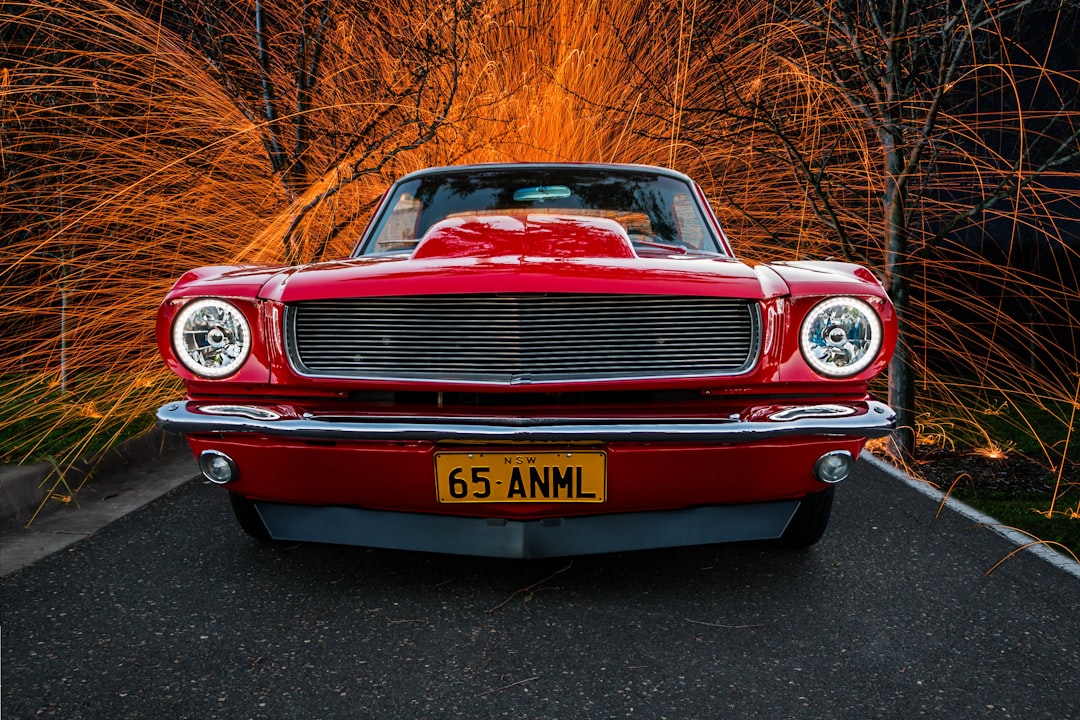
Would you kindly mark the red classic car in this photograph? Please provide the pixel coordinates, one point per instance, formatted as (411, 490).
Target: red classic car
(531, 360)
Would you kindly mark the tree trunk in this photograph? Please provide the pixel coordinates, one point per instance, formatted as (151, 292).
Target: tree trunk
(898, 285)
(902, 394)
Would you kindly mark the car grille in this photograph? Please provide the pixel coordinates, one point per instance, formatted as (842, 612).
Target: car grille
(522, 339)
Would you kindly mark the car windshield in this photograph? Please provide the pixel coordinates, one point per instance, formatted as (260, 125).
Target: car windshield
(656, 210)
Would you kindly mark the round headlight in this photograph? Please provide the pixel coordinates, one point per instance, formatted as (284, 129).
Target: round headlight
(840, 337)
(211, 337)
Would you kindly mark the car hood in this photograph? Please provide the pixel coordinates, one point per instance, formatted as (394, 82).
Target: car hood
(535, 254)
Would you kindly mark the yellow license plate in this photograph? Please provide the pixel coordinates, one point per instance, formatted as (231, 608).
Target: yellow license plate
(472, 477)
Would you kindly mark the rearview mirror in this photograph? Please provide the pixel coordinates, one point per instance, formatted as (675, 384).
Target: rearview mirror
(540, 194)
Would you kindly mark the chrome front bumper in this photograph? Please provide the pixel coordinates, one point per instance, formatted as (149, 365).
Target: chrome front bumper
(868, 419)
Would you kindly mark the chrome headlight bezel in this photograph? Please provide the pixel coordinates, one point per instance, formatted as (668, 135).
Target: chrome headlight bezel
(211, 337)
(841, 337)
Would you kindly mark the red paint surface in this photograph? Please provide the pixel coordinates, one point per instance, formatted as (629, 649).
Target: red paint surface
(401, 476)
(525, 236)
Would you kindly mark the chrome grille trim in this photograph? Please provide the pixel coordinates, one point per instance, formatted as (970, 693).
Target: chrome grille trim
(522, 339)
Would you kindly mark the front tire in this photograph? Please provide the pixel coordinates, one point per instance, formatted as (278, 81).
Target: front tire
(248, 517)
(809, 521)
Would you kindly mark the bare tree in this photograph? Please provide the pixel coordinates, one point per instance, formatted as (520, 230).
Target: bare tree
(907, 81)
(334, 90)
(140, 138)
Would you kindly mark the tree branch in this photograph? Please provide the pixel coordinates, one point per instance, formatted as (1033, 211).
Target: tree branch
(278, 159)
(1009, 185)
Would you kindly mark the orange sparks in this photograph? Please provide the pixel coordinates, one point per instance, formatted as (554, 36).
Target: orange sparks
(137, 142)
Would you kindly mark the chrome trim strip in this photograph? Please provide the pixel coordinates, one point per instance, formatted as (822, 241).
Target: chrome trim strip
(813, 411)
(253, 412)
(877, 420)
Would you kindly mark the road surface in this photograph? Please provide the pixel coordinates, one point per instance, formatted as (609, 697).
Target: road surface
(171, 612)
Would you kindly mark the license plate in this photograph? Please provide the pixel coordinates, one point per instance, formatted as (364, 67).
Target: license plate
(472, 477)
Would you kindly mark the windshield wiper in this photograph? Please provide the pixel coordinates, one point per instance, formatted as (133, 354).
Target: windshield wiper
(680, 249)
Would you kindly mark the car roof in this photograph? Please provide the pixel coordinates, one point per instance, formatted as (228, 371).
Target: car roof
(616, 167)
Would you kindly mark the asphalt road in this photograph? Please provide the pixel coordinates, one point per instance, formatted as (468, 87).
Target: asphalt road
(171, 612)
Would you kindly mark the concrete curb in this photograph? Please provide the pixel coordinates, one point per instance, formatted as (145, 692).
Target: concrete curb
(114, 483)
(24, 487)
(1023, 542)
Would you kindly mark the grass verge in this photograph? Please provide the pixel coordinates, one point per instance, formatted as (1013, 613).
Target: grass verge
(40, 420)
(1012, 456)
(1025, 512)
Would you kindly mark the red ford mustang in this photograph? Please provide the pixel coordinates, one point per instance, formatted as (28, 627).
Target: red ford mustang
(531, 360)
